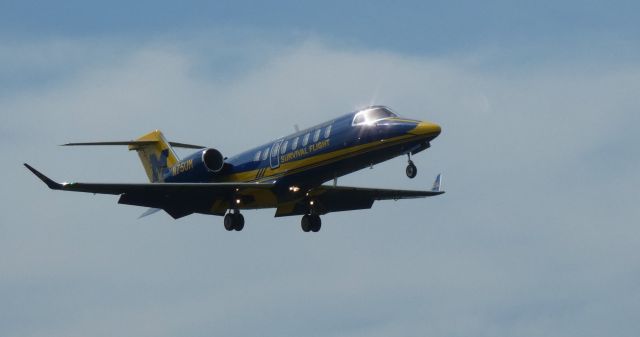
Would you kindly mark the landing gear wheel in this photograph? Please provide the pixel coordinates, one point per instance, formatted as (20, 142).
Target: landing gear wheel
(411, 170)
(233, 221)
(238, 221)
(316, 223)
(228, 222)
(305, 223)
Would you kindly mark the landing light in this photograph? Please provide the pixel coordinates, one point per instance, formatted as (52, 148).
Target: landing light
(311, 202)
(238, 201)
(294, 188)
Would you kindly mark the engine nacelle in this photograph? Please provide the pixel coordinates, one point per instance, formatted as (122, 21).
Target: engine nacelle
(200, 166)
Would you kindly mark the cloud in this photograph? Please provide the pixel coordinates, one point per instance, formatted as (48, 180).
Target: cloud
(535, 234)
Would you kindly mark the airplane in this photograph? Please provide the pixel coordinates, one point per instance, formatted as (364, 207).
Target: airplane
(288, 173)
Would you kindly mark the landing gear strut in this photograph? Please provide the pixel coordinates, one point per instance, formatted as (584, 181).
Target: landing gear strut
(234, 221)
(411, 170)
(311, 223)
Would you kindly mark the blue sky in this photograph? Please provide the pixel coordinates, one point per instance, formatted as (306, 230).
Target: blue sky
(414, 27)
(537, 234)
(408, 25)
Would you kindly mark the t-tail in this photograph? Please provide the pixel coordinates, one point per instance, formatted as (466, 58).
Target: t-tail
(155, 152)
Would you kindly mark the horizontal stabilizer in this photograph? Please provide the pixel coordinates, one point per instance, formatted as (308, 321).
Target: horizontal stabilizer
(136, 142)
(186, 146)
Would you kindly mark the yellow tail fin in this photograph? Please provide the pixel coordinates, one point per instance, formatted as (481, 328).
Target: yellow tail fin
(156, 155)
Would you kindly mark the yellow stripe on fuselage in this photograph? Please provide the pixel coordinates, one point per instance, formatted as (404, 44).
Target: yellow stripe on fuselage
(296, 166)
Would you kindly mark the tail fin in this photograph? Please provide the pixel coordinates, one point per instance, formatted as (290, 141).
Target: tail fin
(155, 152)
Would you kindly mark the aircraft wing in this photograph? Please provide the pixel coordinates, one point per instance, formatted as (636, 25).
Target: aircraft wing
(182, 199)
(177, 199)
(327, 199)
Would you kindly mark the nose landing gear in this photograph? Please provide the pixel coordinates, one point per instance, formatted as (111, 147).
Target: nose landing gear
(411, 169)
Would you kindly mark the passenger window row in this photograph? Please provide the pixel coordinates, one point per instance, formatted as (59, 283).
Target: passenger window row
(294, 143)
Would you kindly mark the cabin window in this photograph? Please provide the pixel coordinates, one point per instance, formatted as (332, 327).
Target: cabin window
(265, 153)
(327, 132)
(305, 140)
(316, 135)
(257, 156)
(294, 144)
(283, 148)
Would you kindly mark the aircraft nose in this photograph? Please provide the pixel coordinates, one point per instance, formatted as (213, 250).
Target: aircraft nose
(427, 128)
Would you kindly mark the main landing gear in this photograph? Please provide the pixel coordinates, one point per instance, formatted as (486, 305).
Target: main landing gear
(234, 221)
(411, 170)
(311, 223)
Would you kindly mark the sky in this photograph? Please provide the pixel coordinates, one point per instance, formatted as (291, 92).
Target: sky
(536, 235)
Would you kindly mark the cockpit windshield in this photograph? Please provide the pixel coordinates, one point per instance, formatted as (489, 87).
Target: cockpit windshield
(371, 115)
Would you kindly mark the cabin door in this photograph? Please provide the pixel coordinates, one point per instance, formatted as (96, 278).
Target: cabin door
(275, 154)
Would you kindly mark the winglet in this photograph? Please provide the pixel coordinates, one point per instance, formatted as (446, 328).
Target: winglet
(52, 184)
(437, 183)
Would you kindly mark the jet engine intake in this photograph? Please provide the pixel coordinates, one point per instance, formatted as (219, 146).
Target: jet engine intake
(200, 166)
(213, 160)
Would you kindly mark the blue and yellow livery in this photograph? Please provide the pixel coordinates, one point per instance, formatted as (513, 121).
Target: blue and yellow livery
(286, 174)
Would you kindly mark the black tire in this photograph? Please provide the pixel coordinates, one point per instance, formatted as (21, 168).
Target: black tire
(411, 171)
(238, 221)
(316, 223)
(305, 223)
(229, 222)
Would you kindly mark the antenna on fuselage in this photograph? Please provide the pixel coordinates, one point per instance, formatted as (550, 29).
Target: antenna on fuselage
(295, 126)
